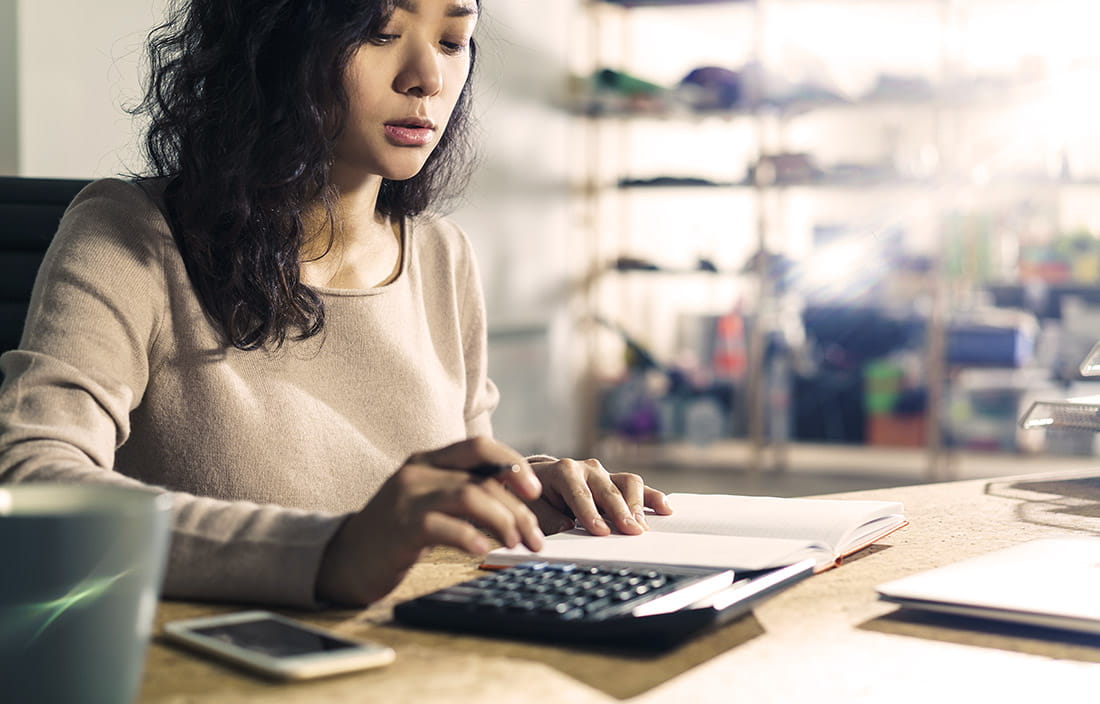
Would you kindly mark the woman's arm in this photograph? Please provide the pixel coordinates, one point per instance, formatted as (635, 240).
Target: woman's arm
(90, 342)
(482, 395)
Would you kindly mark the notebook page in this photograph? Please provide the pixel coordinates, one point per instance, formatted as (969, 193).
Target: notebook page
(833, 522)
(667, 548)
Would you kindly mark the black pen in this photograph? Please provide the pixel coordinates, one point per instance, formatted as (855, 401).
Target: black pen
(491, 469)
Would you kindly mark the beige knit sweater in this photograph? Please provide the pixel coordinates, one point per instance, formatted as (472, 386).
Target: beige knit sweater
(121, 378)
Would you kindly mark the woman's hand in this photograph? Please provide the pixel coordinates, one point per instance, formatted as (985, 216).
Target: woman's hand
(588, 493)
(430, 501)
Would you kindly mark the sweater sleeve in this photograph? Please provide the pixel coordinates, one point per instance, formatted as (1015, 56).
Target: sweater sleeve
(482, 395)
(82, 367)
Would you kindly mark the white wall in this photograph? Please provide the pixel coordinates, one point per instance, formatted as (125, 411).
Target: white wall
(9, 126)
(78, 64)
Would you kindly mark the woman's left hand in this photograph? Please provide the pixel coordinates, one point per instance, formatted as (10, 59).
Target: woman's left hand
(584, 491)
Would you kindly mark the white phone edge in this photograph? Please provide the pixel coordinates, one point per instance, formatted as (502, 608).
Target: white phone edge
(362, 656)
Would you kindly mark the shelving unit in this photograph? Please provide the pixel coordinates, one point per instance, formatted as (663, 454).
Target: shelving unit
(936, 168)
(613, 202)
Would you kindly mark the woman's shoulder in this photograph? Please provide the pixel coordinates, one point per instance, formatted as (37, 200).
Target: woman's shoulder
(440, 236)
(117, 209)
(112, 219)
(113, 199)
(440, 246)
(438, 226)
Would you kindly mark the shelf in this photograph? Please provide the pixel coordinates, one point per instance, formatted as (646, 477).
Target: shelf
(703, 184)
(845, 183)
(585, 106)
(629, 4)
(993, 92)
(677, 273)
(676, 182)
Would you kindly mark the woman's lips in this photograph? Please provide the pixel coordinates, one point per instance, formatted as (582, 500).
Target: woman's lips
(409, 135)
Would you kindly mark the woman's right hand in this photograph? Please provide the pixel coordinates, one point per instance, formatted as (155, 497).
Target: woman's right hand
(430, 500)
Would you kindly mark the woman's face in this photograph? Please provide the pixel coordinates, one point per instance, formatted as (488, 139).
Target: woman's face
(402, 86)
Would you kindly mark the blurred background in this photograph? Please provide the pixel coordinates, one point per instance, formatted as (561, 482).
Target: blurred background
(774, 246)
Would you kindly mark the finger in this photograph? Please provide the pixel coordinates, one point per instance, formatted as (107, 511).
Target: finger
(610, 501)
(521, 479)
(551, 519)
(473, 502)
(441, 529)
(657, 501)
(524, 519)
(569, 487)
(472, 452)
(571, 483)
(485, 503)
(498, 511)
(632, 489)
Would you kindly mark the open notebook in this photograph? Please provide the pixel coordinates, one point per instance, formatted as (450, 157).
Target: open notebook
(727, 531)
(1052, 582)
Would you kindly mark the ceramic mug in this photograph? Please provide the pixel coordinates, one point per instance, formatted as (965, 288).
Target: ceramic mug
(80, 571)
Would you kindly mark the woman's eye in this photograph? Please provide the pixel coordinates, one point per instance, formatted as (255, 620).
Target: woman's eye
(454, 47)
(380, 38)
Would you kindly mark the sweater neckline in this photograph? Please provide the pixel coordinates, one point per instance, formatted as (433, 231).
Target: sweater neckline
(402, 274)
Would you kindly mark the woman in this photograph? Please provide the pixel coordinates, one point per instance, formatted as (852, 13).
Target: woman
(271, 327)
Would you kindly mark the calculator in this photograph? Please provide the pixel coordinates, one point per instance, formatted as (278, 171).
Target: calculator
(597, 603)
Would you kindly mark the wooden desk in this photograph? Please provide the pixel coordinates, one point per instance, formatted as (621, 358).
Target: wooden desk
(827, 639)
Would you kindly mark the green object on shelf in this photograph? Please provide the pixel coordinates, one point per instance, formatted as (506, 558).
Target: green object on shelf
(882, 385)
(669, 3)
(625, 83)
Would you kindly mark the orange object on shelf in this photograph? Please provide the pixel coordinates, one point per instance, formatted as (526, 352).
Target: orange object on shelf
(889, 430)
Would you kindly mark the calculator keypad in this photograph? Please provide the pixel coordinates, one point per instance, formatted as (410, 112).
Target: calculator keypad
(540, 591)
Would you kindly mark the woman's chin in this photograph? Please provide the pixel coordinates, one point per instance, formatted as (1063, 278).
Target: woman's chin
(402, 173)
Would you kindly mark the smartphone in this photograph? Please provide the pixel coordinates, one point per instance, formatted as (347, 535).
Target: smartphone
(276, 646)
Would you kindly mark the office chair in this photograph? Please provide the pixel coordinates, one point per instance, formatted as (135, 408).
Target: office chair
(30, 209)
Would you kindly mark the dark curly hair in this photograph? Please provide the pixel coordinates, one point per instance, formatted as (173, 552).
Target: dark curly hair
(245, 100)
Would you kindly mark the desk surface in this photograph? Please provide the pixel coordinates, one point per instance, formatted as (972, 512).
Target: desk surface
(827, 639)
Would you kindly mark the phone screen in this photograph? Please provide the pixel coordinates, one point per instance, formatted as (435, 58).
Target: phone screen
(273, 638)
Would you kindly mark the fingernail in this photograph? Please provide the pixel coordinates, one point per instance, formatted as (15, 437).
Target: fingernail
(640, 518)
(600, 523)
(632, 523)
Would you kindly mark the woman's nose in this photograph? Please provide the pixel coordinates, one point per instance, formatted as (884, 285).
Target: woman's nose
(421, 74)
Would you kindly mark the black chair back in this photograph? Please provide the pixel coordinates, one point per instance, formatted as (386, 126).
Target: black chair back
(30, 209)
